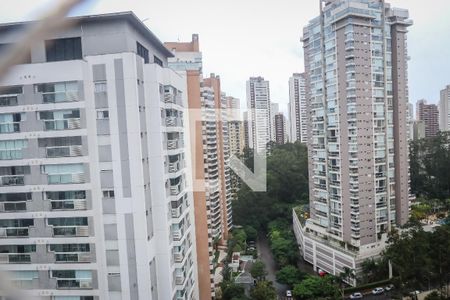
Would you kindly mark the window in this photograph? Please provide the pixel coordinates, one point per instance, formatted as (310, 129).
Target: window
(65, 195)
(76, 221)
(12, 149)
(5, 48)
(108, 194)
(64, 173)
(11, 122)
(100, 87)
(8, 95)
(63, 49)
(60, 119)
(142, 52)
(102, 114)
(157, 61)
(69, 247)
(58, 92)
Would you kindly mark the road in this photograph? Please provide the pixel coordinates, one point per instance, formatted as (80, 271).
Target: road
(265, 255)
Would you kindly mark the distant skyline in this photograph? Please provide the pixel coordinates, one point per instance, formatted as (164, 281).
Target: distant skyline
(240, 39)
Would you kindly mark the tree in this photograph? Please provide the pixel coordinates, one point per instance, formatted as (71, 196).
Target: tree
(251, 233)
(231, 290)
(258, 270)
(263, 290)
(345, 277)
(290, 275)
(314, 287)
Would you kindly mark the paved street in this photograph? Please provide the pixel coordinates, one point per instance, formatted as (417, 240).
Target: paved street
(266, 257)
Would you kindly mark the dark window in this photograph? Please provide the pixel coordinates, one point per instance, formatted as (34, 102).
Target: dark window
(156, 60)
(142, 52)
(63, 49)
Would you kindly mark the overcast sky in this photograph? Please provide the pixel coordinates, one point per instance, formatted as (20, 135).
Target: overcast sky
(243, 38)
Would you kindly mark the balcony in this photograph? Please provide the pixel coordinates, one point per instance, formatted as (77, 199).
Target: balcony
(174, 144)
(74, 283)
(15, 258)
(56, 97)
(66, 151)
(70, 124)
(178, 256)
(177, 212)
(66, 178)
(173, 122)
(13, 206)
(174, 167)
(71, 231)
(177, 234)
(179, 278)
(11, 180)
(175, 189)
(69, 204)
(7, 232)
(73, 257)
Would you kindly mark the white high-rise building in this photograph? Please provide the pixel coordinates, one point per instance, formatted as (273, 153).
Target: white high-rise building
(444, 109)
(94, 200)
(357, 101)
(259, 116)
(297, 108)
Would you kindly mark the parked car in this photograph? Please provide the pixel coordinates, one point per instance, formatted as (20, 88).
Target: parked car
(377, 291)
(321, 273)
(356, 296)
(389, 287)
(288, 293)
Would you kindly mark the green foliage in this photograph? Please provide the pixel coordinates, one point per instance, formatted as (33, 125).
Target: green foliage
(258, 270)
(429, 164)
(374, 270)
(251, 233)
(435, 296)
(263, 290)
(314, 287)
(367, 286)
(232, 291)
(420, 258)
(282, 243)
(290, 275)
(287, 186)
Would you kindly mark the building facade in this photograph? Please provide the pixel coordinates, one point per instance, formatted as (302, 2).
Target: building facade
(357, 96)
(259, 116)
(210, 149)
(280, 129)
(83, 214)
(274, 110)
(429, 114)
(444, 109)
(297, 108)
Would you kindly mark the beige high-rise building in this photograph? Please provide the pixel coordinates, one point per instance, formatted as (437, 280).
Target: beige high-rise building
(274, 110)
(444, 109)
(297, 108)
(235, 126)
(429, 114)
(357, 97)
(210, 158)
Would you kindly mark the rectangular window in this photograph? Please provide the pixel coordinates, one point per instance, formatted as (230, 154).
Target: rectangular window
(157, 61)
(108, 194)
(10, 123)
(12, 149)
(8, 95)
(100, 87)
(76, 221)
(63, 49)
(142, 52)
(102, 114)
(58, 92)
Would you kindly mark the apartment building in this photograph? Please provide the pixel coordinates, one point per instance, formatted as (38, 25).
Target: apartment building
(297, 108)
(246, 130)
(280, 129)
(94, 197)
(444, 109)
(259, 116)
(274, 110)
(357, 96)
(429, 114)
(210, 155)
(235, 126)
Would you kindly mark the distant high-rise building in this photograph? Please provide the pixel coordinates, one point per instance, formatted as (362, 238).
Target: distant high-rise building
(235, 126)
(429, 114)
(444, 109)
(246, 130)
(274, 109)
(297, 108)
(94, 199)
(280, 129)
(259, 122)
(410, 119)
(418, 130)
(357, 95)
(210, 156)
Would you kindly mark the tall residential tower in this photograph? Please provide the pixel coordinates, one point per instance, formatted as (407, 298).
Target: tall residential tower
(297, 108)
(429, 114)
(357, 97)
(444, 109)
(94, 200)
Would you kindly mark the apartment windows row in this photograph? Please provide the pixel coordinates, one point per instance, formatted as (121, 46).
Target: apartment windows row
(64, 279)
(58, 200)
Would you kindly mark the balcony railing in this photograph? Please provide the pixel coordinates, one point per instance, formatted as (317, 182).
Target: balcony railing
(13, 206)
(74, 283)
(179, 278)
(15, 258)
(55, 97)
(62, 124)
(173, 144)
(14, 232)
(66, 178)
(73, 257)
(69, 204)
(177, 212)
(7, 180)
(71, 231)
(174, 167)
(175, 189)
(178, 256)
(173, 122)
(64, 151)
(177, 234)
